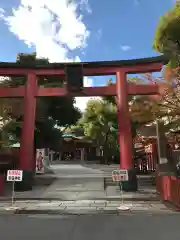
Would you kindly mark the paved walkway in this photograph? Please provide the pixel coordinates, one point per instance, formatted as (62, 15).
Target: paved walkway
(71, 180)
(77, 182)
(78, 188)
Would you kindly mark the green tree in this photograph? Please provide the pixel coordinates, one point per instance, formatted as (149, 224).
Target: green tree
(100, 124)
(167, 35)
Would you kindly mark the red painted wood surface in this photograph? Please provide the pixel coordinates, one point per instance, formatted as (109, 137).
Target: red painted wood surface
(27, 136)
(169, 189)
(133, 89)
(124, 124)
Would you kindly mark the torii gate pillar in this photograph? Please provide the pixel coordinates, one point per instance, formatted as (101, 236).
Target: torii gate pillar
(27, 136)
(125, 135)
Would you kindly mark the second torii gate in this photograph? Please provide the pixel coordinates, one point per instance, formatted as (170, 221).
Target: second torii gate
(121, 90)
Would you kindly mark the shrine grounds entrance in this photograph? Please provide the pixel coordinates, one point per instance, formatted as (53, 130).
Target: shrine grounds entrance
(73, 74)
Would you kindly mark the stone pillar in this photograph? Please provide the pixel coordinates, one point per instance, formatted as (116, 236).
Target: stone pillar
(125, 135)
(27, 135)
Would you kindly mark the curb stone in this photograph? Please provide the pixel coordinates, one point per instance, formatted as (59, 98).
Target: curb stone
(87, 212)
(145, 199)
(61, 212)
(4, 212)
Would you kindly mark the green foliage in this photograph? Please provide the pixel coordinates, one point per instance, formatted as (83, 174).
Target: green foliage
(98, 119)
(100, 124)
(167, 35)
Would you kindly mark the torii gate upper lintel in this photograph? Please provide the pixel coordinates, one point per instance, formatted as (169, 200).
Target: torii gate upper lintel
(121, 89)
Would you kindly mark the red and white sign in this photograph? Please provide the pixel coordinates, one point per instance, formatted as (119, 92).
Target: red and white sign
(14, 175)
(120, 175)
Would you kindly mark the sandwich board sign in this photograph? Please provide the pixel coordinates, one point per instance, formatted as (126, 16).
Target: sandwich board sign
(14, 176)
(120, 175)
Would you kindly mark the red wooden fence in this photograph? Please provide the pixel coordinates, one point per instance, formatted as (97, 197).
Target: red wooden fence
(169, 189)
(169, 186)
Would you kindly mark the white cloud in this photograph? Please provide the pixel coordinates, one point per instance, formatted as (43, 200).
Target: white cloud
(84, 5)
(125, 48)
(53, 27)
(81, 102)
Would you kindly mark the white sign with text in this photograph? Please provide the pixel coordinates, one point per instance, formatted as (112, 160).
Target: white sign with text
(120, 175)
(14, 175)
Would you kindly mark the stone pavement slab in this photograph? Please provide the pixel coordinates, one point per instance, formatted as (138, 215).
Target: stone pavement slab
(75, 189)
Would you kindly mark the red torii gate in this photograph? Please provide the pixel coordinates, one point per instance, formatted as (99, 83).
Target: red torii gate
(121, 89)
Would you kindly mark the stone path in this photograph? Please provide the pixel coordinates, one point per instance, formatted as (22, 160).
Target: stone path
(77, 182)
(72, 182)
(76, 189)
(80, 189)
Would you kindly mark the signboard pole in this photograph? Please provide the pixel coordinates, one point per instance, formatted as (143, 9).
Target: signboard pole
(13, 193)
(120, 176)
(121, 193)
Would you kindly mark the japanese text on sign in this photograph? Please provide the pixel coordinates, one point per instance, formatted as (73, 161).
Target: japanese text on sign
(120, 175)
(14, 175)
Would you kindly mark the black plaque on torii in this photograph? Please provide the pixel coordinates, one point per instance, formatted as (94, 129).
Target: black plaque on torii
(74, 76)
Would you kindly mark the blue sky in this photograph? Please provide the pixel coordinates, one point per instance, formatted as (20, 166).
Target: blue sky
(114, 24)
(114, 30)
